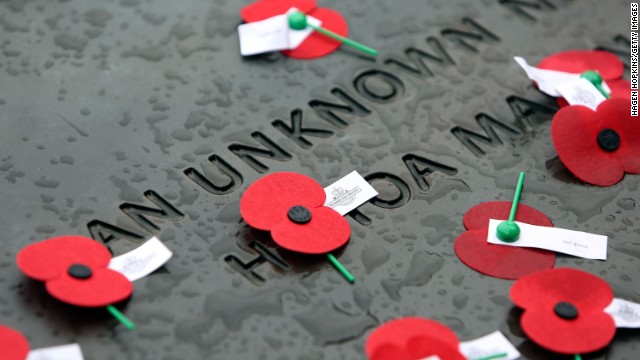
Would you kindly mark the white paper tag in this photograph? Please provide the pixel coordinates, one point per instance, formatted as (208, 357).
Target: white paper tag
(492, 344)
(141, 261)
(625, 313)
(576, 243)
(64, 352)
(264, 36)
(272, 34)
(581, 92)
(547, 79)
(348, 193)
(432, 357)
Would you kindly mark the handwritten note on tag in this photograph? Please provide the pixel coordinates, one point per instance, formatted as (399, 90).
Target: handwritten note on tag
(581, 92)
(272, 34)
(141, 261)
(64, 352)
(488, 345)
(348, 193)
(625, 313)
(576, 243)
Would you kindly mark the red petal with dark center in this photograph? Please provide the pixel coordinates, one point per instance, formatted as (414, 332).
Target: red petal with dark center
(264, 9)
(414, 336)
(578, 61)
(327, 231)
(266, 202)
(505, 262)
(575, 129)
(13, 345)
(51, 258)
(104, 287)
(318, 45)
(538, 293)
(618, 118)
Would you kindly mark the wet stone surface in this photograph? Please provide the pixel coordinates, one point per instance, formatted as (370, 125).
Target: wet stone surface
(125, 119)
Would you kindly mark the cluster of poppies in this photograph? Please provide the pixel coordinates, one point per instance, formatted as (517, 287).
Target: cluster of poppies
(563, 311)
(600, 146)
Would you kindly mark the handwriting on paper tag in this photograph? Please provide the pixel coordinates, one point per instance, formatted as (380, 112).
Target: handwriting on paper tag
(64, 352)
(547, 80)
(348, 193)
(576, 243)
(488, 345)
(581, 92)
(625, 313)
(141, 261)
(272, 34)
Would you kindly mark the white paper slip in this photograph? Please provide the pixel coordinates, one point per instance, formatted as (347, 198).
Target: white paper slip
(581, 92)
(141, 261)
(432, 357)
(492, 344)
(348, 193)
(547, 79)
(625, 313)
(272, 34)
(576, 243)
(64, 352)
(264, 36)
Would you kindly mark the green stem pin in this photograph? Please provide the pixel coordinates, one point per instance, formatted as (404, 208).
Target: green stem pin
(343, 270)
(596, 80)
(509, 231)
(298, 21)
(121, 317)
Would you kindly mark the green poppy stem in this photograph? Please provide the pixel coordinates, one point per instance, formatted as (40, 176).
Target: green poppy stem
(491, 357)
(121, 317)
(343, 270)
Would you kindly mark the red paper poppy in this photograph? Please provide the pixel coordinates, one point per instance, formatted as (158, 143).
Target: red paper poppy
(564, 310)
(506, 262)
(291, 207)
(75, 271)
(605, 63)
(316, 45)
(412, 338)
(598, 147)
(13, 345)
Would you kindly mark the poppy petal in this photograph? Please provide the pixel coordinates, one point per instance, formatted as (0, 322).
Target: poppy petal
(548, 287)
(574, 131)
(318, 45)
(13, 345)
(478, 216)
(104, 287)
(539, 293)
(400, 334)
(578, 61)
(619, 119)
(50, 258)
(390, 352)
(590, 331)
(326, 231)
(264, 9)
(620, 88)
(266, 202)
(504, 262)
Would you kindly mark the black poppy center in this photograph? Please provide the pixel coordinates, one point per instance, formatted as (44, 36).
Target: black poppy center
(299, 214)
(79, 271)
(609, 140)
(566, 310)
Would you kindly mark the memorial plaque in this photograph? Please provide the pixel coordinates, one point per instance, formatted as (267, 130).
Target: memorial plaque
(124, 120)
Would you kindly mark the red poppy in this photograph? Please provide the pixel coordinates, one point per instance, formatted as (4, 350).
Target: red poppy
(412, 338)
(75, 271)
(291, 207)
(605, 63)
(598, 147)
(564, 310)
(13, 345)
(506, 262)
(316, 45)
